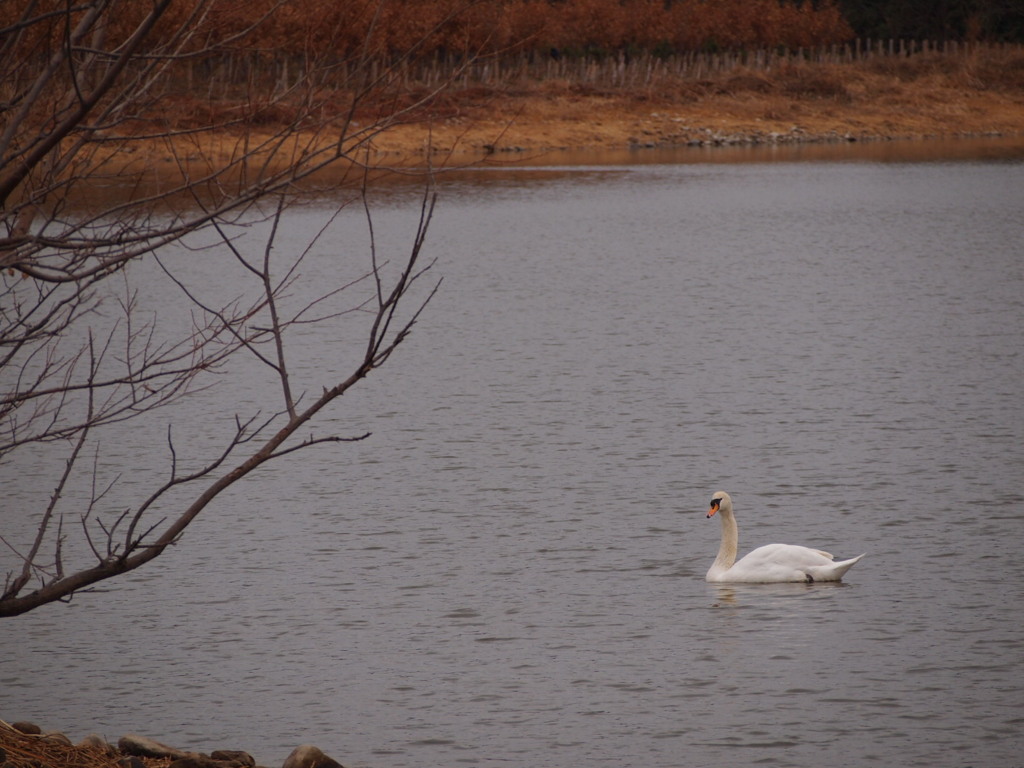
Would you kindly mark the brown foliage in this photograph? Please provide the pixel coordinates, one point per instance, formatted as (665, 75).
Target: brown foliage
(428, 28)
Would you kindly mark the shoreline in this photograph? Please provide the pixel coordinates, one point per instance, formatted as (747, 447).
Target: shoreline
(808, 104)
(507, 139)
(25, 745)
(619, 127)
(615, 127)
(882, 100)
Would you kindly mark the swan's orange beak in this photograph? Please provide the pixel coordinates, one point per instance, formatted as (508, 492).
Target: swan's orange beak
(712, 511)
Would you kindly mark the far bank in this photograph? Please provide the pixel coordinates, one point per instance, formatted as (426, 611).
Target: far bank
(891, 98)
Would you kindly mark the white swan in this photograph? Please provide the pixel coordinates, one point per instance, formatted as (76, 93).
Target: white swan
(770, 563)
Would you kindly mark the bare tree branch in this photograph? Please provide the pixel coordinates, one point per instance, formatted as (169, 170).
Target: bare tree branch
(81, 89)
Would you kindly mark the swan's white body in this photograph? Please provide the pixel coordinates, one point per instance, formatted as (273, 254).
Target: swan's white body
(771, 563)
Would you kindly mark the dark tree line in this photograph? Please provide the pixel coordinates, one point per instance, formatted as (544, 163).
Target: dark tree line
(990, 20)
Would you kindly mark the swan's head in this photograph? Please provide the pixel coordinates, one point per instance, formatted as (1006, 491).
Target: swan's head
(720, 501)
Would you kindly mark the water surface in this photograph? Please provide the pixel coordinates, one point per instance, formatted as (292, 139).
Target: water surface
(510, 570)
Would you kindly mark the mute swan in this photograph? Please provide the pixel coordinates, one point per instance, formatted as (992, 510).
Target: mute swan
(770, 563)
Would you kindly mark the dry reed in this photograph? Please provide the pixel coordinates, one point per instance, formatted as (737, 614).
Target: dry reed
(23, 750)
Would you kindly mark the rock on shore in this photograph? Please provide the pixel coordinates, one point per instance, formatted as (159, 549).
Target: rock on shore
(26, 745)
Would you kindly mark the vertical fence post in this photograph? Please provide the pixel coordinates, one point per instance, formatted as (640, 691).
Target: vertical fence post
(223, 74)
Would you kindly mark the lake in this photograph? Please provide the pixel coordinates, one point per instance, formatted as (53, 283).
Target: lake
(510, 570)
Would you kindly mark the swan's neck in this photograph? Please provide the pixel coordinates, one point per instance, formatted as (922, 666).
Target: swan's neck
(730, 541)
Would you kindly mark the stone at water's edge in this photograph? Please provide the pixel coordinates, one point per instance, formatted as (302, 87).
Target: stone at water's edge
(308, 756)
(233, 756)
(140, 746)
(95, 741)
(202, 761)
(132, 747)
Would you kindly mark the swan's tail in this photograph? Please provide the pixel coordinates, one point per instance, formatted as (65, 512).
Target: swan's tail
(834, 571)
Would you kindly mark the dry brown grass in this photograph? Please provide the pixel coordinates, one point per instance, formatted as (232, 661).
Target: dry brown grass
(32, 751)
(924, 95)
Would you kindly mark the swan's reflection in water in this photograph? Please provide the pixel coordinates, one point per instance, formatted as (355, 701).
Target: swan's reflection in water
(765, 595)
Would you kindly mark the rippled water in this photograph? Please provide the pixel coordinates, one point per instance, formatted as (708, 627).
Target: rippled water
(510, 570)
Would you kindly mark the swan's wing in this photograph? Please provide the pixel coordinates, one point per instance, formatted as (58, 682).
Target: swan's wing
(790, 555)
(782, 562)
